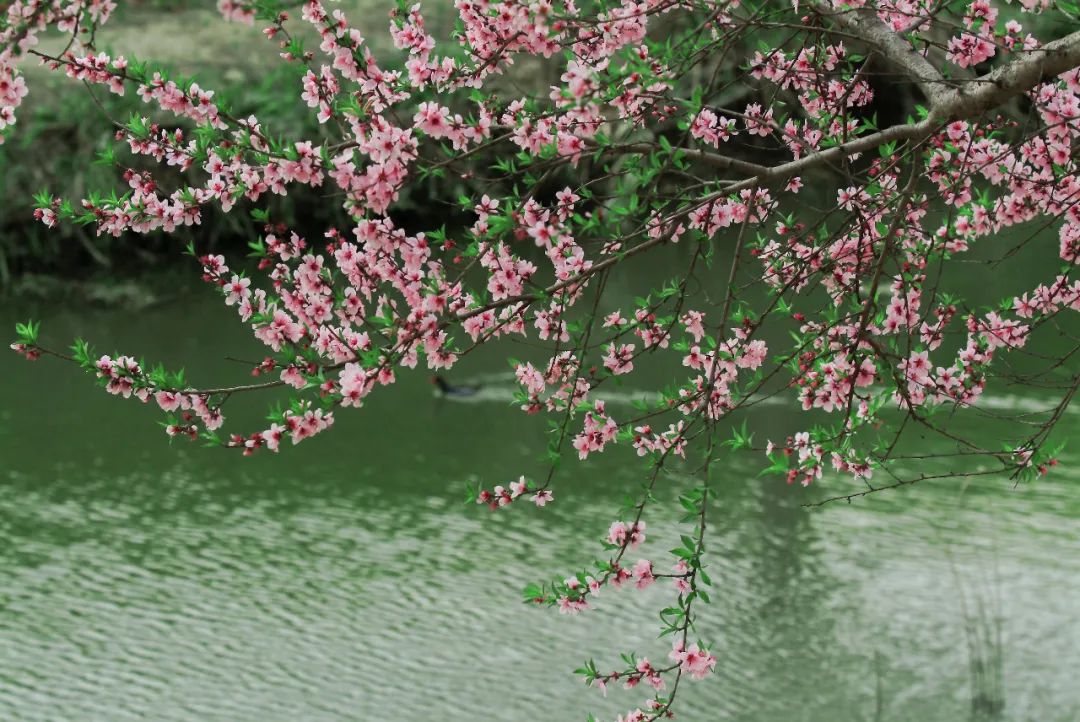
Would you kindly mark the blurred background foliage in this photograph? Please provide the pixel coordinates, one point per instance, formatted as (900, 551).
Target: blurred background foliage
(64, 128)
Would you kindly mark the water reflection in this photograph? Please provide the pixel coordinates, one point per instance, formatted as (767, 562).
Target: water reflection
(344, 580)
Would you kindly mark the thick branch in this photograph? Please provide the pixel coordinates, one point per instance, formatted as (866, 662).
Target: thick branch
(714, 159)
(865, 23)
(1012, 79)
(989, 91)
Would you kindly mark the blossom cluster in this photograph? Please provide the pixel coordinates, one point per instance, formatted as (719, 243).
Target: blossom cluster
(846, 316)
(500, 496)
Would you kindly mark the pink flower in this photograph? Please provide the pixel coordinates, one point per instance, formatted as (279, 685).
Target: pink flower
(168, 400)
(643, 573)
(619, 360)
(692, 659)
(620, 533)
(542, 497)
(237, 290)
(617, 533)
(693, 321)
(433, 119)
(571, 606)
(517, 488)
(292, 376)
(682, 585)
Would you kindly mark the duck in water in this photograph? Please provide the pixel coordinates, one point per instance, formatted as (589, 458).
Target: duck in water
(445, 388)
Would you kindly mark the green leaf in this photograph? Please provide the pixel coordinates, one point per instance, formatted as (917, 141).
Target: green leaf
(27, 332)
(532, 592)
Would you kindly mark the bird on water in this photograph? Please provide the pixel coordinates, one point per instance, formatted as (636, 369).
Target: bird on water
(445, 388)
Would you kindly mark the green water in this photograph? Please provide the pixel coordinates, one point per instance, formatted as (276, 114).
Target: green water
(345, 580)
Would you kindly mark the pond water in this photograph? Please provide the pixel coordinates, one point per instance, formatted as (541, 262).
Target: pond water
(345, 580)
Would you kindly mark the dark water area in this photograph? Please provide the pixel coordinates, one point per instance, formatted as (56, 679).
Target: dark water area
(344, 579)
